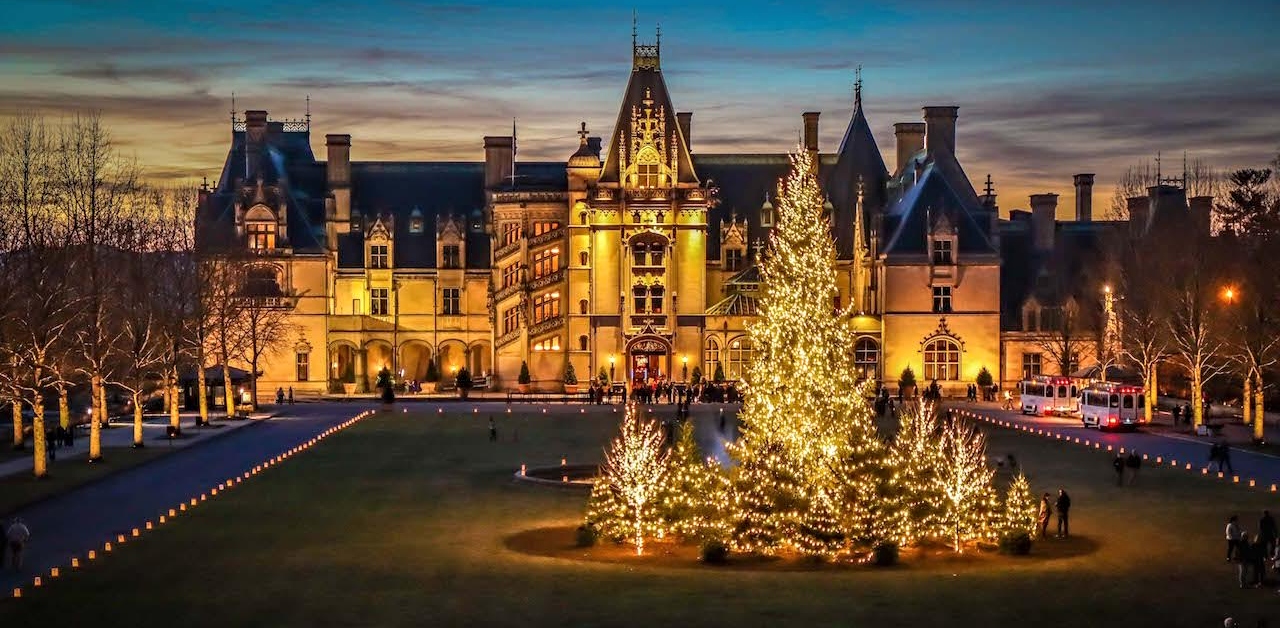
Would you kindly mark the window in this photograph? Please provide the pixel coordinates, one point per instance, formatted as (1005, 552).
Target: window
(510, 275)
(582, 343)
(1030, 365)
(379, 302)
(711, 357)
(583, 306)
(546, 306)
(415, 222)
(546, 262)
(639, 292)
(1128, 402)
(647, 169)
(378, 257)
(303, 364)
(261, 281)
(452, 256)
(550, 344)
(866, 358)
(941, 299)
(942, 360)
(648, 299)
(639, 253)
(739, 357)
(942, 251)
(544, 226)
(262, 236)
(733, 259)
(1050, 318)
(655, 299)
(510, 233)
(583, 258)
(451, 301)
(510, 319)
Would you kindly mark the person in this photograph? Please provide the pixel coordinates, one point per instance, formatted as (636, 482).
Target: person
(1186, 413)
(280, 395)
(1177, 414)
(1267, 533)
(1118, 465)
(1008, 401)
(1046, 511)
(1246, 561)
(1233, 537)
(1133, 462)
(493, 431)
(1064, 512)
(16, 537)
(1224, 458)
(291, 395)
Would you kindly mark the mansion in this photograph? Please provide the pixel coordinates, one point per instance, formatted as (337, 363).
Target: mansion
(635, 256)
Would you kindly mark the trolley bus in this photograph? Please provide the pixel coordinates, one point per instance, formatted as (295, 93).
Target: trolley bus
(1045, 395)
(1112, 406)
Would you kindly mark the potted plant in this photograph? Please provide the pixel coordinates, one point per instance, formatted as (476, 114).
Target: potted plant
(433, 376)
(696, 377)
(464, 383)
(984, 382)
(907, 383)
(570, 379)
(387, 386)
(603, 378)
(523, 381)
(719, 376)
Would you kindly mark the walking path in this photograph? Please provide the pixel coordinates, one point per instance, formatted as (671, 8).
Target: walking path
(82, 519)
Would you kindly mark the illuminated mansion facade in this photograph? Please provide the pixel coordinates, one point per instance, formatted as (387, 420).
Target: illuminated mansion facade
(635, 256)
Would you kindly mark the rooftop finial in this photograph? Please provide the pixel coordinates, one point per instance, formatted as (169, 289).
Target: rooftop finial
(582, 133)
(308, 112)
(857, 87)
(990, 188)
(658, 40)
(644, 56)
(634, 24)
(233, 107)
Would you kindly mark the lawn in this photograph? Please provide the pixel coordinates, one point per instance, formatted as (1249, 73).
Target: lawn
(405, 520)
(68, 472)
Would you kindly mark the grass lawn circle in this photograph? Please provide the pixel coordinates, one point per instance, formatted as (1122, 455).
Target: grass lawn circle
(560, 542)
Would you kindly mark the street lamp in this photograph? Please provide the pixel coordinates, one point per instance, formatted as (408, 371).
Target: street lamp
(611, 360)
(685, 361)
(1229, 295)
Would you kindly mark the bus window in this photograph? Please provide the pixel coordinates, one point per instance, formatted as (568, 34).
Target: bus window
(1128, 402)
(1074, 393)
(1141, 402)
(1115, 401)
(1062, 391)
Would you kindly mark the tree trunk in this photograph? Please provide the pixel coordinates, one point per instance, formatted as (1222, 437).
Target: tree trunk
(1246, 404)
(1197, 398)
(1259, 409)
(202, 390)
(40, 461)
(253, 383)
(64, 408)
(227, 390)
(171, 384)
(103, 415)
(137, 418)
(1153, 387)
(98, 418)
(19, 437)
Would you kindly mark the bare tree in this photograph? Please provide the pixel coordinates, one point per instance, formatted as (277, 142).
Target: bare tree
(1194, 309)
(264, 310)
(178, 290)
(219, 285)
(140, 347)
(1198, 178)
(1067, 335)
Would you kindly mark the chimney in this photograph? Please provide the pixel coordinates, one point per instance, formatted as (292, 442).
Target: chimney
(910, 140)
(1201, 208)
(497, 159)
(338, 167)
(1084, 197)
(255, 135)
(1044, 220)
(811, 131)
(684, 119)
(1139, 208)
(940, 129)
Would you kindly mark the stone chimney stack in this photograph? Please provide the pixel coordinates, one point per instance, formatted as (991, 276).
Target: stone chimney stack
(1084, 197)
(685, 119)
(498, 156)
(1201, 208)
(1139, 208)
(338, 176)
(1044, 220)
(338, 167)
(811, 131)
(940, 129)
(910, 140)
(255, 135)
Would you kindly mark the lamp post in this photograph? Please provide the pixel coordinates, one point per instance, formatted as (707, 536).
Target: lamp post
(611, 361)
(685, 361)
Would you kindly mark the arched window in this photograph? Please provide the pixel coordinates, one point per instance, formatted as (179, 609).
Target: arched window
(582, 343)
(583, 306)
(648, 167)
(866, 358)
(942, 360)
(740, 349)
(711, 358)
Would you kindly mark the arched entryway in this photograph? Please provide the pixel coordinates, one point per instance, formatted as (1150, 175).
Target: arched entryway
(342, 364)
(452, 357)
(481, 359)
(377, 357)
(648, 358)
(415, 357)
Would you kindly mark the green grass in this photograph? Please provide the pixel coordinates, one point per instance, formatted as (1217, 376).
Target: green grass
(402, 521)
(68, 472)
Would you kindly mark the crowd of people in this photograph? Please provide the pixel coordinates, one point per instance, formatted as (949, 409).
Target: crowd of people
(662, 390)
(1253, 554)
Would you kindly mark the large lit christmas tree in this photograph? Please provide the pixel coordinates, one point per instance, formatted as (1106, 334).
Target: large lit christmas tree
(916, 459)
(623, 502)
(691, 502)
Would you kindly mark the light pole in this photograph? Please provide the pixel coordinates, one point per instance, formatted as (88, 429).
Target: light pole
(611, 361)
(685, 361)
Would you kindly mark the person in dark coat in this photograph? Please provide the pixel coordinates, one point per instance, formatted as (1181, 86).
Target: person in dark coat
(1063, 506)
(493, 431)
(1177, 414)
(1267, 533)
(1133, 463)
(1042, 518)
(1118, 465)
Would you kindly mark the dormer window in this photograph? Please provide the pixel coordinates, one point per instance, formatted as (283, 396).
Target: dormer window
(452, 256)
(379, 256)
(262, 235)
(733, 259)
(942, 251)
(415, 221)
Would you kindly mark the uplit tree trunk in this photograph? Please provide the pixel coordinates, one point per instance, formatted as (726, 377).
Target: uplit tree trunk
(227, 391)
(1197, 398)
(19, 437)
(40, 461)
(64, 408)
(175, 418)
(1246, 400)
(202, 390)
(98, 418)
(1259, 409)
(137, 417)
(1153, 388)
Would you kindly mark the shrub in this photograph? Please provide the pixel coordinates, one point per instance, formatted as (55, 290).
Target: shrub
(570, 376)
(524, 373)
(984, 378)
(433, 371)
(464, 379)
(885, 554)
(697, 375)
(602, 377)
(586, 535)
(907, 379)
(384, 378)
(1015, 543)
(719, 376)
(713, 552)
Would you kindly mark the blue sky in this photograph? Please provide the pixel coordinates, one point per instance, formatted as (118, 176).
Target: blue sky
(1045, 89)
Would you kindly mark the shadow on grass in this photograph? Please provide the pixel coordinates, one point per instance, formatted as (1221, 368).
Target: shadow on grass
(560, 542)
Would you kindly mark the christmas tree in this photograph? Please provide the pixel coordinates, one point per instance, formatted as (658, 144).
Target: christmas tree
(916, 459)
(1020, 508)
(623, 501)
(693, 492)
(969, 503)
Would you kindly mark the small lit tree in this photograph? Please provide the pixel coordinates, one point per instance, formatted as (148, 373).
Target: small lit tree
(1020, 508)
(632, 474)
(917, 457)
(693, 493)
(968, 496)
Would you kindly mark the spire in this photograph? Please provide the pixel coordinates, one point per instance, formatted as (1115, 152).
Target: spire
(308, 112)
(859, 237)
(990, 188)
(582, 134)
(644, 56)
(857, 87)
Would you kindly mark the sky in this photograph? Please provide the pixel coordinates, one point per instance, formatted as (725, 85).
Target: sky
(1045, 89)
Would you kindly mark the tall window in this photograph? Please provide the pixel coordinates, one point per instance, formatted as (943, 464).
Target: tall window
(510, 275)
(942, 251)
(510, 233)
(544, 226)
(942, 360)
(648, 299)
(583, 258)
(1030, 365)
(262, 236)
(655, 299)
(583, 306)
(733, 259)
(1050, 318)
(451, 301)
(378, 257)
(303, 364)
(452, 256)
(546, 262)
(739, 357)
(510, 319)
(866, 358)
(650, 254)
(582, 343)
(546, 306)
(711, 357)
(942, 299)
(379, 303)
(639, 292)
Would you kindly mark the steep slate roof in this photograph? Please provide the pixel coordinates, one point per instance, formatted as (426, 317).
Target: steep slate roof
(1074, 269)
(907, 221)
(736, 304)
(646, 79)
(858, 159)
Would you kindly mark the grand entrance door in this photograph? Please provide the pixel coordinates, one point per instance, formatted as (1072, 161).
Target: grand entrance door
(649, 359)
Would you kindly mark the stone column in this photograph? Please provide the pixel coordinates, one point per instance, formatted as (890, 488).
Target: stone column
(362, 384)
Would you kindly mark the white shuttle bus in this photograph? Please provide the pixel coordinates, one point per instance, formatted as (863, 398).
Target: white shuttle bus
(1112, 406)
(1044, 395)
